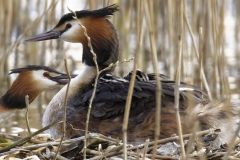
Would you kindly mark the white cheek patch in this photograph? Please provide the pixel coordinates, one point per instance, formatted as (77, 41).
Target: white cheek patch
(72, 34)
(42, 82)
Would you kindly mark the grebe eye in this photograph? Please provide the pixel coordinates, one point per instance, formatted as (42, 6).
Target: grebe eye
(46, 74)
(68, 25)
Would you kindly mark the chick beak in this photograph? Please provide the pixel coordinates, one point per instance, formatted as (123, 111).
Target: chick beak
(62, 79)
(52, 34)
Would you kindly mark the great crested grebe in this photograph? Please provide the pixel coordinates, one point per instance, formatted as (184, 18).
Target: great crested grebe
(109, 102)
(31, 81)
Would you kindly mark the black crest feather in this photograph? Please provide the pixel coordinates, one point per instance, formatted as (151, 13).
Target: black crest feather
(103, 12)
(34, 67)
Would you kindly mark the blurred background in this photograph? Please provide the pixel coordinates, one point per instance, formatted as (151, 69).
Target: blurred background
(219, 20)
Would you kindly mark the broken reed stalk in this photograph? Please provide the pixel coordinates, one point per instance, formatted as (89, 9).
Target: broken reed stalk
(93, 152)
(200, 56)
(132, 81)
(146, 149)
(178, 75)
(65, 108)
(158, 84)
(26, 115)
(205, 83)
(99, 149)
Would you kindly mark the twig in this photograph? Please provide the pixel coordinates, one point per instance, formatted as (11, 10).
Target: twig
(99, 149)
(178, 75)
(215, 36)
(92, 135)
(135, 154)
(76, 129)
(11, 137)
(108, 138)
(93, 152)
(131, 86)
(56, 156)
(145, 149)
(220, 49)
(27, 121)
(157, 157)
(191, 139)
(43, 145)
(158, 84)
(115, 149)
(230, 145)
(200, 56)
(26, 139)
(186, 136)
(65, 107)
(197, 55)
(115, 64)
(201, 87)
(95, 83)
(161, 141)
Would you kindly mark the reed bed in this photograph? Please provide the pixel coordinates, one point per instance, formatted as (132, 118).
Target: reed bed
(209, 31)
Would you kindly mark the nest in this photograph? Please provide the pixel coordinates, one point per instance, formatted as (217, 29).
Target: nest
(42, 146)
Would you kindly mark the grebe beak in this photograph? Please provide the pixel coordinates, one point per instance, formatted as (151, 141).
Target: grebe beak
(62, 78)
(52, 34)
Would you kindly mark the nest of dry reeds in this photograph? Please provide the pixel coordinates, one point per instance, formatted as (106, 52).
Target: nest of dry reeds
(102, 147)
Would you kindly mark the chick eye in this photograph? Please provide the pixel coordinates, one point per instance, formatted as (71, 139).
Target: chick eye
(46, 74)
(68, 25)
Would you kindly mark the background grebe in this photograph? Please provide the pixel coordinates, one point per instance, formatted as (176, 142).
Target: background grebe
(31, 81)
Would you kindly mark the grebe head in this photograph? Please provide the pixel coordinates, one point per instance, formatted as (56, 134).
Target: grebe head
(39, 77)
(31, 81)
(104, 38)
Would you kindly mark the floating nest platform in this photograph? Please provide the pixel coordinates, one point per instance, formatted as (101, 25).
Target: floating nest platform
(41, 146)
